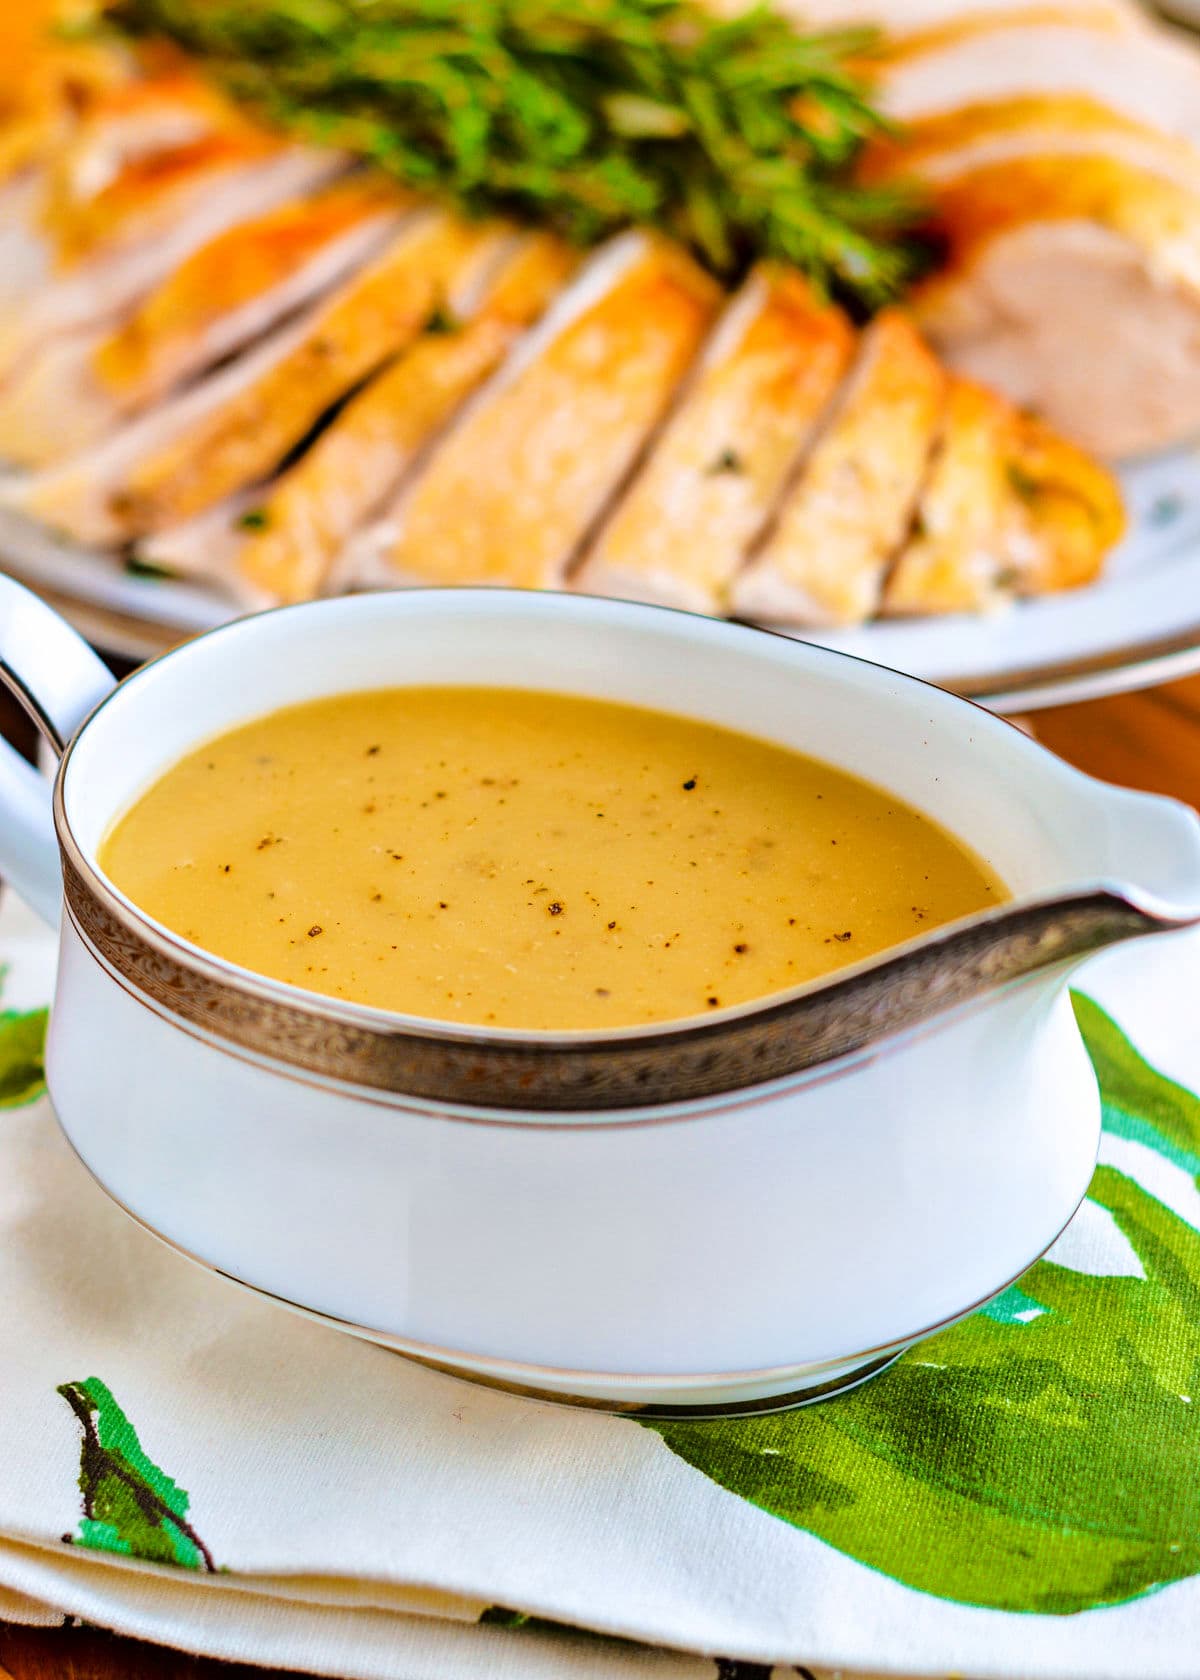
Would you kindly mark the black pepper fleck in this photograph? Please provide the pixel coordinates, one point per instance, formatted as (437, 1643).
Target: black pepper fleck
(314, 930)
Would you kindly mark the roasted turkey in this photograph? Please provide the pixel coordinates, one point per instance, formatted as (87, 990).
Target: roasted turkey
(1059, 145)
(232, 357)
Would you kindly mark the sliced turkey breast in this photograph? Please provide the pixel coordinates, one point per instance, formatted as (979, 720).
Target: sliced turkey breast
(1027, 233)
(537, 456)
(1063, 171)
(106, 141)
(232, 290)
(112, 114)
(940, 149)
(945, 24)
(1150, 76)
(1064, 511)
(1008, 508)
(84, 112)
(82, 497)
(234, 427)
(826, 556)
(26, 258)
(911, 22)
(1153, 215)
(759, 392)
(284, 546)
(206, 547)
(1069, 319)
(148, 220)
(65, 81)
(266, 408)
(958, 558)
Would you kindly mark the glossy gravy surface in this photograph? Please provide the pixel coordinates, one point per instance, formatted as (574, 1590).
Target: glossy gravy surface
(529, 860)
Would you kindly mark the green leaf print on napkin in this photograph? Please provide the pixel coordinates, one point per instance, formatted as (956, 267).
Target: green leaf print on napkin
(22, 1044)
(1139, 1102)
(1043, 1455)
(129, 1504)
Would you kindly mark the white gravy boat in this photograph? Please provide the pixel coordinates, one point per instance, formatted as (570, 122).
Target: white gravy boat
(731, 1213)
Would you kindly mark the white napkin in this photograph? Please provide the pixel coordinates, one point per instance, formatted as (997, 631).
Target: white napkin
(362, 1514)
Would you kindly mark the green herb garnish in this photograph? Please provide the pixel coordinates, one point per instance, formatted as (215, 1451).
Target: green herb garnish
(728, 461)
(1022, 483)
(137, 567)
(254, 519)
(735, 135)
(441, 321)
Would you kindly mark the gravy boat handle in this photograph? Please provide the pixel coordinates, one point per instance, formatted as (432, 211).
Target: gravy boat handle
(58, 680)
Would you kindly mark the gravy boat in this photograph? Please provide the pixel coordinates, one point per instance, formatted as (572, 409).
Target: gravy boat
(723, 1214)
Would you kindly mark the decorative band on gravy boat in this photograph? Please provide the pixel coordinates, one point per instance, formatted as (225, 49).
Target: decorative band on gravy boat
(586, 1072)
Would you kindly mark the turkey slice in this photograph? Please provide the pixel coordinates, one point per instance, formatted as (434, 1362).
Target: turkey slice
(958, 559)
(1071, 242)
(537, 456)
(765, 379)
(145, 223)
(939, 20)
(1009, 508)
(826, 556)
(235, 428)
(231, 291)
(1152, 77)
(289, 541)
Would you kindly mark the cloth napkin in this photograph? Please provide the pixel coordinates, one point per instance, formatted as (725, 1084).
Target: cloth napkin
(1017, 1497)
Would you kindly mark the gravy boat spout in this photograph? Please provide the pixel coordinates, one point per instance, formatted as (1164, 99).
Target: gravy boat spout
(1108, 865)
(962, 964)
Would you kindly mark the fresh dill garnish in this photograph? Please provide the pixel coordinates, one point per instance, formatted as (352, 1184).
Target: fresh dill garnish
(735, 135)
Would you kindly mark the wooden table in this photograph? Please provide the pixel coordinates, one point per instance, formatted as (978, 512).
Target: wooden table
(1149, 741)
